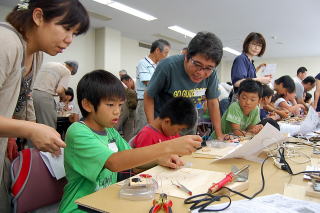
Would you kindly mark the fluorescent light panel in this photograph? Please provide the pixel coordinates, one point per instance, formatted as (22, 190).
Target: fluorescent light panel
(182, 31)
(230, 50)
(127, 9)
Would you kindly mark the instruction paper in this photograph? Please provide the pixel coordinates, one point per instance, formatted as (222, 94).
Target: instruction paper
(54, 164)
(275, 203)
(196, 180)
(249, 150)
(270, 69)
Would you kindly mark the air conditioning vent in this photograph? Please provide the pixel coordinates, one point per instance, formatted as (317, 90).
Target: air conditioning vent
(144, 45)
(170, 39)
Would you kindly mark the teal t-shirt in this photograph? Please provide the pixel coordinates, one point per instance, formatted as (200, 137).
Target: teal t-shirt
(235, 115)
(84, 159)
(170, 80)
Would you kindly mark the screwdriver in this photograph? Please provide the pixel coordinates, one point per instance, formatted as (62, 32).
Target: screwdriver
(229, 177)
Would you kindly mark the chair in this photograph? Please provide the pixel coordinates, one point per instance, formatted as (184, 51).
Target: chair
(33, 186)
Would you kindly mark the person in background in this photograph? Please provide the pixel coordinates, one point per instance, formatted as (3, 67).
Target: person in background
(308, 98)
(267, 95)
(53, 79)
(32, 27)
(301, 74)
(284, 85)
(96, 152)
(184, 51)
(302, 87)
(128, 111)
(172, 119)
(122, 72)
(68, 112)
(288, 102)
(242, 117)
(191, 76)
(316, 102)
(145, 69)
(243, 67)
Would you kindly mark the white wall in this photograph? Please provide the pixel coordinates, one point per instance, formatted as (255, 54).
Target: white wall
(285, 66)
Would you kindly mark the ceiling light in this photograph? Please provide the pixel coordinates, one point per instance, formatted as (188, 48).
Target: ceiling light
(132, 11)
(230, 50)
(182, 31)
(103, 1)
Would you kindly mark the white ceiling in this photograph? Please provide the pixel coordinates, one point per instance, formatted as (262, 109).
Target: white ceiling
(295, 24)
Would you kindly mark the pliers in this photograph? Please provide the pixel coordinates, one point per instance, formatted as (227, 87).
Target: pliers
(162, 202)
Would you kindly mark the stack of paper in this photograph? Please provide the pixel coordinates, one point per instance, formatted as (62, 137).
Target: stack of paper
(54, 164)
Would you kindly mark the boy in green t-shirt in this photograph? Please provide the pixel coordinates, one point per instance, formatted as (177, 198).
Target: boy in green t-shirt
(243, 117)
(95, 151)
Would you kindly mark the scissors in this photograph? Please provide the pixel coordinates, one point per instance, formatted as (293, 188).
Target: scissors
(202, 201)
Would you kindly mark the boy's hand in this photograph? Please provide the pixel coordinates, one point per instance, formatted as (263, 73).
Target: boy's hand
(172, 161)
(46, 138)
(256, 128)
(184, 145)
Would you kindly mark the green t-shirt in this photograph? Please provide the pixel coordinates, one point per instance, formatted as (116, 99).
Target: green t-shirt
(170, 80)
(235, 115)
(84, 160)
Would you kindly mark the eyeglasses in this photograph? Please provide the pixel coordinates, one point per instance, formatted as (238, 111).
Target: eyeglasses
(200, 67)
(256, 44)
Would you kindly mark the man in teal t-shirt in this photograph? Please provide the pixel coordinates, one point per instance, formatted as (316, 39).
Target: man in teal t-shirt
(85, 157)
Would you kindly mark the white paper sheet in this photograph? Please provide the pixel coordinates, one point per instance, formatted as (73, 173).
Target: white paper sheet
(196, 180)
(54, 164)
(267, 136)
(310, 122)
(290, 129)
(275, 203)
(270, 69)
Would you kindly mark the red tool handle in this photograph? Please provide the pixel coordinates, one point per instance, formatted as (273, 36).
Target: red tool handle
(215, 187)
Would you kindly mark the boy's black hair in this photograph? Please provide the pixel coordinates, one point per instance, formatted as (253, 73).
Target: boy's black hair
(70, 92)
(125, 77)
(251, 86)
(181, 111)
(301, 70)
(308, 97)
(267, 91)
(99, 85)
(287, 83)
(160, 43)
(207, 44)
(309, 80)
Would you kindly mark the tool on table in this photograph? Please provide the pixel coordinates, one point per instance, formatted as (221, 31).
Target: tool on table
(182, 187)
(229, 178)
(162, 203)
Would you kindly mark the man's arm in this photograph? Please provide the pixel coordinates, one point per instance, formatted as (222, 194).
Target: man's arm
(149, 107)
(316, 94)
(214, 111)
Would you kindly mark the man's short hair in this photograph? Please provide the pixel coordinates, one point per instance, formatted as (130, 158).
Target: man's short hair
(70, 92)
(207, 44)
(309, 80)
(160, 43)
(251, 86)
(74, 65)
(301, 70)
(181, 111)
(256, 38)
(123, 71)
(125, 77)
(287, 83)
(267, 91)
(99, 85)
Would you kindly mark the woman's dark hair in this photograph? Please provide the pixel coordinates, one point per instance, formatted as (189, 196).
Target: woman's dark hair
(256, 38)
(99, 85)
(70, 92)
(207, 44)
(251, 86)
(73, 13)
(181, 111)
(307, 98)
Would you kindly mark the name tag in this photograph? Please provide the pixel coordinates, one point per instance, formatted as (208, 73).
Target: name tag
(113, 147)
(200, 92)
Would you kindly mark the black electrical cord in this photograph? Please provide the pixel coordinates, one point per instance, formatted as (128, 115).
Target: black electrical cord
(208, 198)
